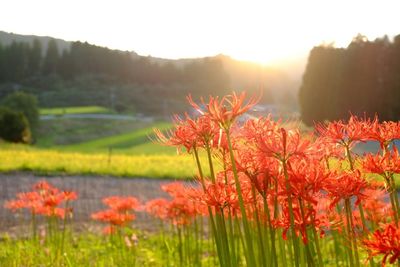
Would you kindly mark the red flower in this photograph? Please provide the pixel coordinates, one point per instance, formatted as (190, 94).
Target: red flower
(45, 200)
(345, 186)
(307, 179)
(70, 195)
(385, 242)
(119, 214)
(383, 164)
(121, 204)
(345, 133)
(182, 135)
(221, 195)
(302, 220)
(376, 209)
(225, 111)
(158, 207)
(113, 217)
(384, 132)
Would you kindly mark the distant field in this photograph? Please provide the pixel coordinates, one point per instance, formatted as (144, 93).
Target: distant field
(75, 110)
(50, 162)
(137, 141)
(99, 136)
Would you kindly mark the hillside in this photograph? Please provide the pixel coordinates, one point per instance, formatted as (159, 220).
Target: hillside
(7, 38)
(124, 80)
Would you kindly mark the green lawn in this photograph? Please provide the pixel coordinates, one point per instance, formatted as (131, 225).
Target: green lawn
(137, 141)
(75, 110)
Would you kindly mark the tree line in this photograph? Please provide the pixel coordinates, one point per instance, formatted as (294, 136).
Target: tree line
(99, 75)
(362, 79)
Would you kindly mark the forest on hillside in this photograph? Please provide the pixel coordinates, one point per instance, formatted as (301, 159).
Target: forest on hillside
(62, 74)
(87, 74)
(362, 79)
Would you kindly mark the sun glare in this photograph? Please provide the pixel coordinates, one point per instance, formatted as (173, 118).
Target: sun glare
(260, 31)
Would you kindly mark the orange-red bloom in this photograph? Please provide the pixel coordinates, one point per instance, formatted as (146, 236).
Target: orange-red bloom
(384, 132)
(383, 164)
(119, 214)
(44, 200)
(225, 111)
(345, 133)
(347, 185)
(385, 242)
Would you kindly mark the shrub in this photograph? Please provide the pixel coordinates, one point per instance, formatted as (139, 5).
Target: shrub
(27, 105)
(14, 126)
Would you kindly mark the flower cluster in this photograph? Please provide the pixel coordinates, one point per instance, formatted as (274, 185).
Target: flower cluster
(385, 242)
(119, 214)
(277, 177)
(180, 209)
(45, 200)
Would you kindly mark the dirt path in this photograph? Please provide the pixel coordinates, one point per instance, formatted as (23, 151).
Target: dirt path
(90, 192)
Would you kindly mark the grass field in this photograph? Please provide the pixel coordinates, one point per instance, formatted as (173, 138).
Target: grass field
(75, 110)
(136, 142)
(99, 136)
(51, 162)
(92, 249)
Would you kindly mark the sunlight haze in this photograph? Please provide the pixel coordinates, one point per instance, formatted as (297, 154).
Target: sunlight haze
(260, 31)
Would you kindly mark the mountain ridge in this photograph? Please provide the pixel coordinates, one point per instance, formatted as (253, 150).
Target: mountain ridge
(243, 74)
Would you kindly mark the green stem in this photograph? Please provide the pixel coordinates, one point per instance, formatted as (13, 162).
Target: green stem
(196, 155)
(310, 259)
(249, 243)
(350, 226)
(210, 163)
(294, 238)
(263, 255)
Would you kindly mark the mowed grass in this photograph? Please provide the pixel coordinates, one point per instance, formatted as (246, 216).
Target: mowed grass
(75, 110)
(51, 162)
(138, 141)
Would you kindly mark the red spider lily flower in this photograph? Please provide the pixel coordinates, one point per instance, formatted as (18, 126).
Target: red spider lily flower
(345, 133)
(225, 111)
(29, 200)
(70, 195)
(347, 185)
(190, 133)
(221, 195)
(182, 135)
(175, 189)
(274, 141)
(42, 186)
(15, 205)
(44, 201)
(182, 208)
(158, 208)
(302, 220)
(385, 242)
(204, 128)
(384, 132)
(388, 163)
(122, 204)
(259, 169)
(113, 217)
(307, 179)
(325, 149)
(283, 144)
(181, 211)
(120, 212)
(376, 209)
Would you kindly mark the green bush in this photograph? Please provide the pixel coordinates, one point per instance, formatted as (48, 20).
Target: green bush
(27, 105)
(14, 127)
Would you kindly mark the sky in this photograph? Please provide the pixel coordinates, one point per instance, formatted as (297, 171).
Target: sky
(266, 31)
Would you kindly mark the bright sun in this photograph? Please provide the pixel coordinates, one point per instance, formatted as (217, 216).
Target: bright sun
(260, 31)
